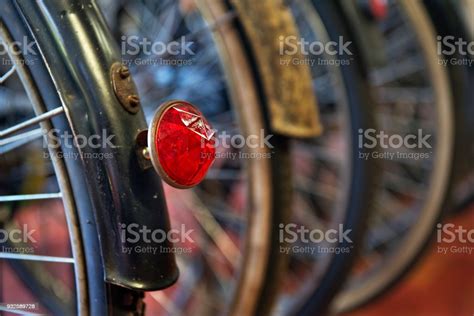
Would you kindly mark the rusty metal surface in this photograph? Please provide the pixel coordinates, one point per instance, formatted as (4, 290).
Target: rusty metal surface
(287, 86)
(124, 88)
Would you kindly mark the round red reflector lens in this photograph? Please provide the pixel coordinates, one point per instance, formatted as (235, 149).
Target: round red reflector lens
(181, 143)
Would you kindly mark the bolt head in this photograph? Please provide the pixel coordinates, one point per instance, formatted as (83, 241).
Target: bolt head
(133, 100)
(124, 72)
(146, 153)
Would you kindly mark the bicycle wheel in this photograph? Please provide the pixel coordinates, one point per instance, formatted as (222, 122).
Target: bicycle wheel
(224, 271)
(226, 266)
(448, 20)
(79, 287)
(332, 184)
(413, 97)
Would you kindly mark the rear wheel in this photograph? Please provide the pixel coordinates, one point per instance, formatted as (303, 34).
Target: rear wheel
(231, 211)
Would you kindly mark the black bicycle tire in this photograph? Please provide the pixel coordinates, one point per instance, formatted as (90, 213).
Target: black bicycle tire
(19, 28)
(360, 200)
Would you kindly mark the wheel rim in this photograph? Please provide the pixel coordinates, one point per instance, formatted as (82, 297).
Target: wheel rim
(43, 117)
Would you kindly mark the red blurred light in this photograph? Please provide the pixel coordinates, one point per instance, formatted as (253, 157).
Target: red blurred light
(379, 8)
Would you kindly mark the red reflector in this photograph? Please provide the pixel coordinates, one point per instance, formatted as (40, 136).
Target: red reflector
(181, 144)
(379, 8)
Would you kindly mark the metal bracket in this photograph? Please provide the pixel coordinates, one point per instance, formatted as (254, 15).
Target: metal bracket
(124, 87)
(142, 150)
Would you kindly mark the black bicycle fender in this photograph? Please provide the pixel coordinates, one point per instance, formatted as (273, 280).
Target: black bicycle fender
(79, 51)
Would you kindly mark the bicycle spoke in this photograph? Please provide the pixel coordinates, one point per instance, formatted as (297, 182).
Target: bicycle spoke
(229, 174)
(388, 205)
(398, 42)
(404, 184)
(220, 210)
(394, 72)
(7, 75)
(15, 311)
(30, 197)
(205, 218)
(11, 99)
(166, 303)
(214, 26)
(38, 258)
(421, 164)
(40, 118)
(321, 153)
(16, 141)
(412, 95)
(319, 189)
(394, 123)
